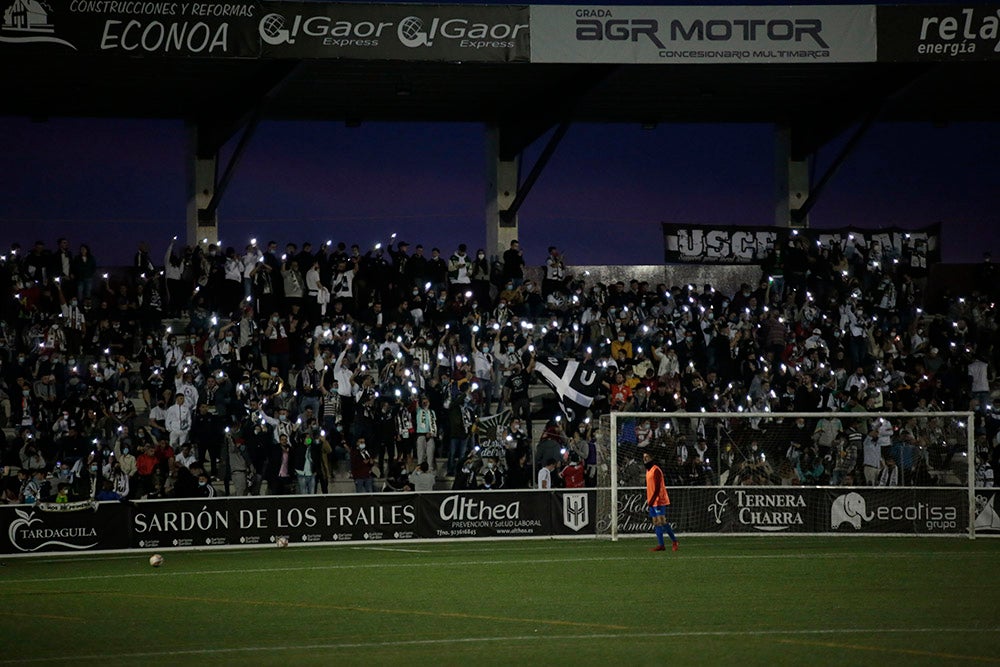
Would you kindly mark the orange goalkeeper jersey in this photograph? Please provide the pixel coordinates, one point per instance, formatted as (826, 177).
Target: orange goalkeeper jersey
(656, 492)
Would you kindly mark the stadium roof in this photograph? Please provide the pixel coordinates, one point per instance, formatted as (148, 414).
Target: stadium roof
(816, 99)
(806, 96)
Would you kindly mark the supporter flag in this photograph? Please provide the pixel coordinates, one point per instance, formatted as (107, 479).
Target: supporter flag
(575, 385)
(490, 434)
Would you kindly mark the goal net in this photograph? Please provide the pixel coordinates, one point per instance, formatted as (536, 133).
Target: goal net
(803, 473)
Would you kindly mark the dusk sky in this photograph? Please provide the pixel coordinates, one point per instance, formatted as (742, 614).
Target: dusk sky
(113, 183)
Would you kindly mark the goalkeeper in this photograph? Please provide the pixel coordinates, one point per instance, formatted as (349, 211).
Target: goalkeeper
(657, 500)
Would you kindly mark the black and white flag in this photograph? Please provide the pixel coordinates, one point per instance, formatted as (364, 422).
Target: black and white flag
(575, 385)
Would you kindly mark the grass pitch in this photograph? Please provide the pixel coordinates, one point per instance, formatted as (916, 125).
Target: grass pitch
(753, 601)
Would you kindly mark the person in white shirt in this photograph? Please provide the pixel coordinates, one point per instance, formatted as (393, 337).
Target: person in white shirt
(422, 479)
(545, 474)
(185, 457)
(979, 377)
(458, 269)
(178, 422)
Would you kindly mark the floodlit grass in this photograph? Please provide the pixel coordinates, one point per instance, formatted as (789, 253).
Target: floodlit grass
(753, 601)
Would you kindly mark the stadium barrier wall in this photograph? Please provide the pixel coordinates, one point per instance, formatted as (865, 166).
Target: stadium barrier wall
(357, 518)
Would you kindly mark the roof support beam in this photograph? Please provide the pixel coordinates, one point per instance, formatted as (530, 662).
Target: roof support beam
(536, 171)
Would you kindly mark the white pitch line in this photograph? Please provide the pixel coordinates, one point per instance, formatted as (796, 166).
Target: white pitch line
(407, 551)
(633, 558)
(481, 640)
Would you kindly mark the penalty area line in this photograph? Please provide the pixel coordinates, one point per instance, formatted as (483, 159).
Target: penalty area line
(535, 637)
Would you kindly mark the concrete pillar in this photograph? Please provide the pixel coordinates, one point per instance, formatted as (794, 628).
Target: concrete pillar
(791, 178)
(502, 177)
(202, 174)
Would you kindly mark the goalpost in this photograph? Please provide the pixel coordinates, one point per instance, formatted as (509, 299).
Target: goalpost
(767, 473)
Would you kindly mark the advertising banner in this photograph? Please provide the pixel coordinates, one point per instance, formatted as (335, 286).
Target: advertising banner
(790, 509)
(468, 33)
(987, 512)
(693, 34)
(938, 33)
(163, 524)
(711, 244)
(248, 521)
(71, 527)
(485, 514)
(252, 29)
(131, 28)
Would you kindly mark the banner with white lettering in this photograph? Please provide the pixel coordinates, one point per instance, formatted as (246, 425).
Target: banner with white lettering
(938, 33)
(710, 244)
(370, 31)
(702, 34)
(273, 30)
(64, 527)
(899, 510)
(132, 28)
(249, 521)
(485, 514)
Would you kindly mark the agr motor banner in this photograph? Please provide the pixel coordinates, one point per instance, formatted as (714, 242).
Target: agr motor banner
(163, 524)
(692, 34)
(789, 509)
(251, 29)
(723, 244)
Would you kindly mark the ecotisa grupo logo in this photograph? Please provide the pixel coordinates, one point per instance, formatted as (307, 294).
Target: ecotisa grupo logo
(27, 21)
(853, 509)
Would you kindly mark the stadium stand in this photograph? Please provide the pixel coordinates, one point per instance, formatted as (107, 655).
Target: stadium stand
(287, 357)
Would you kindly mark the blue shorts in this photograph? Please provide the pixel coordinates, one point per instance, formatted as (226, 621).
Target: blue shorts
(657, 510)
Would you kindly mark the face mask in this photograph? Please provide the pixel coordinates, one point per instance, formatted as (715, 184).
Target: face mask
(621, 339)
(26, 392)
(283, 418)
(480, 255)
(93, 468)
(510, 348)
(124, 451)
(73, 303)
(202, 483)
(361, 446)
(485, 348)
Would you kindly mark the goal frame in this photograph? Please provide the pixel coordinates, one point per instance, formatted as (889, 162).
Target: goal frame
(968, 415)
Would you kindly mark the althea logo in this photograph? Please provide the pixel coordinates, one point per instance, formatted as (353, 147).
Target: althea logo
(26, 21)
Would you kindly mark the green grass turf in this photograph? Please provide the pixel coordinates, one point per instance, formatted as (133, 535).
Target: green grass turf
(753, 601)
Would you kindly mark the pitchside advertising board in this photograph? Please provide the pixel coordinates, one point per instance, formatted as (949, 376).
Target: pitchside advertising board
(804, 510)
(303, 519)
(729, 34)
(722, 244)
(238, 29)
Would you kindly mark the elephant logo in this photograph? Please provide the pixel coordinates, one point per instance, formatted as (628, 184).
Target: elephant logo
(849, 508)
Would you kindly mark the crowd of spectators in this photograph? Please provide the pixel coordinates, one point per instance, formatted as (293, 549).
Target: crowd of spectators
(273, 370)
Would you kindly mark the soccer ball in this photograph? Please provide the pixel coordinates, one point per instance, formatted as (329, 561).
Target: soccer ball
(156, 560)
(281, 542)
